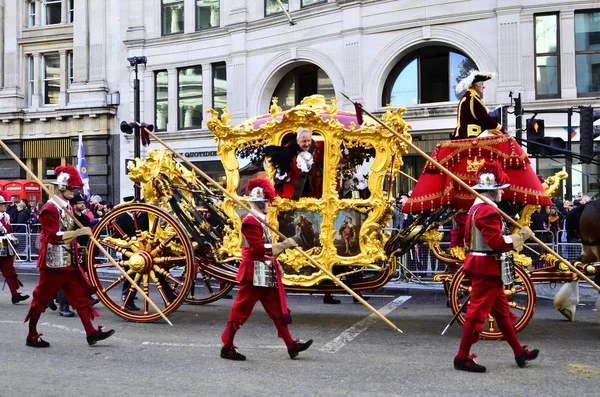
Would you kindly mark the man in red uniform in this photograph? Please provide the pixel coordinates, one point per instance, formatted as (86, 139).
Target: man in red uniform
(58, 263)
(258, 255)
(7, 251)
(485, 241)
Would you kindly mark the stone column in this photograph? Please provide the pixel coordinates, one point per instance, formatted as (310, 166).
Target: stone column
(134, 9)
(36, 99)
(568, 81)
(64, 77)
(38, 13)
(173, 105)
(207, 92)
(97, 14)
(64, 11)
(189, 16)
(81, 34)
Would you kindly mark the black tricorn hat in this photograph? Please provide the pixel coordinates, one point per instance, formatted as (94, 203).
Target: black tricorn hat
(76, 199)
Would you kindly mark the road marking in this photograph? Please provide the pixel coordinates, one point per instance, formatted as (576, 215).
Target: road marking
(361, 326)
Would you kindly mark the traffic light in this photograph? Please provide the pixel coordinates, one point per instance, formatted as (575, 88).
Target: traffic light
(500, 114)
(588, 132)
(535, 134)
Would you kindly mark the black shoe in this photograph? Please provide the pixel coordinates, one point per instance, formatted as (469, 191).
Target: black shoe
(132, 307)
(231, 353)
(365, 298)
(468, 364)
(299, 347)
(330, 300)
(66, 313)
(19, 298)
(52, 305)
(228, 296)
(36, 341)
(526, 356)
(95, 301)
(99, 335)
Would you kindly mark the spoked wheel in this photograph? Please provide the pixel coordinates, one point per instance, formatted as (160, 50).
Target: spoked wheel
(154, 250)
(206, 289)
(521, 298)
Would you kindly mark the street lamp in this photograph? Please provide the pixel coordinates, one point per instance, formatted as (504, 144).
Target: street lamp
(135, 61)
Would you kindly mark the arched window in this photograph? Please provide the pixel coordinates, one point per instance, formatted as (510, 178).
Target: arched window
(300, 82)
(426, 75)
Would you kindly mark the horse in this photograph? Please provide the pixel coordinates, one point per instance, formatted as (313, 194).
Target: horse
(582, 221)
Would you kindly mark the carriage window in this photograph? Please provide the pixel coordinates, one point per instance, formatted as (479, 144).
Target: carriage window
(353, 172)
(347, 225)
(250, 162)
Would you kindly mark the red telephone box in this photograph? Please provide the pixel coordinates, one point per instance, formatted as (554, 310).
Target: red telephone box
(24, 189)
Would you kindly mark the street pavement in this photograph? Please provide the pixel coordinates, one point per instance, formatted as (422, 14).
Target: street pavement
(354, 353)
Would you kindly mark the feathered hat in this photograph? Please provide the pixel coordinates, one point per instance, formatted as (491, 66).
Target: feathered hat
(474, 76)
(5, 197)
(68, 176)
(260, 189)
(491, 176)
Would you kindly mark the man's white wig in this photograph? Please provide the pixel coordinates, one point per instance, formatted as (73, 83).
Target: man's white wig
(474, 76)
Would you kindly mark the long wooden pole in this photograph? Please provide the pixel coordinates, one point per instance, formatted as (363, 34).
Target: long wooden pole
(273, 229)
(470, 190)
(408, 176)
(100, 247)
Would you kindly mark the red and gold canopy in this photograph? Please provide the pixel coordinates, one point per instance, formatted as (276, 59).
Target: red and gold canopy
(463, 157)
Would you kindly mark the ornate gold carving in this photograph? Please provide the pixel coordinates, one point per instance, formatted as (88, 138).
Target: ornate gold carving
(331, 123)
(473, 165)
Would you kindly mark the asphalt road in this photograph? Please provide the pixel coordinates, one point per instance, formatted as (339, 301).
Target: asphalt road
(354, 354)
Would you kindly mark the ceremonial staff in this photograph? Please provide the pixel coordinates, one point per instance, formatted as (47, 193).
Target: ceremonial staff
(273, 229)
(359, 108)
(96, 243)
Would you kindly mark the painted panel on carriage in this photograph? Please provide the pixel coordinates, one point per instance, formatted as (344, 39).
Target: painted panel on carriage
(347, 226)
(303, 225)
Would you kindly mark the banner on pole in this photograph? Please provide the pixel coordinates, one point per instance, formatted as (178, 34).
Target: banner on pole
(82, 168)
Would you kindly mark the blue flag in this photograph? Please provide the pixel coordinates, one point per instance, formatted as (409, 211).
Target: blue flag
(82, 168)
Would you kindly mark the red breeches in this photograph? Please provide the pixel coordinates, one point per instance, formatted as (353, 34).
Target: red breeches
(50, 281)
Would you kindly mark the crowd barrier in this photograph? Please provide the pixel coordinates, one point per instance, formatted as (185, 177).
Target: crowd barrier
(419, 259)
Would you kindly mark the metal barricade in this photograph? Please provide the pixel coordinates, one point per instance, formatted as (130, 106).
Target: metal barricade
(34, 241)
(21, 232)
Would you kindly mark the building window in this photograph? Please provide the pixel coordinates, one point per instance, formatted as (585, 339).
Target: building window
(301, 82)
(51, 86)
(306, 3)
(189, 98)
(71, 14)
(31, 20)
(547, 80)
(272, 7)
(427, 75)
(51, 11)
(219, 87)
(70, 66)
(587, 53)
(30, 80)
(161, 89)
(208, 14)
(172, 16)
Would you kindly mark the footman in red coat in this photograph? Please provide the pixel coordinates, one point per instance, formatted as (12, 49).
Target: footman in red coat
(485, 241)
(258, 260)
(58, 262)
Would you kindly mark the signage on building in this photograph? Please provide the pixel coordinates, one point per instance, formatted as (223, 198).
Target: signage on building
(200, 153)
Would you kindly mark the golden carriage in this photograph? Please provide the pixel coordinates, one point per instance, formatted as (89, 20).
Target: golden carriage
(185, 242)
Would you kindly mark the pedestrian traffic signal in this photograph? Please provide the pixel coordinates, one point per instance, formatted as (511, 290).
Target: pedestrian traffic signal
(588, 132)
(535, 134)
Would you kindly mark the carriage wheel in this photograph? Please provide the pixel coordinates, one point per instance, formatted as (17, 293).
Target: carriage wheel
(205, 288)
(153, 249)
(521, 298)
